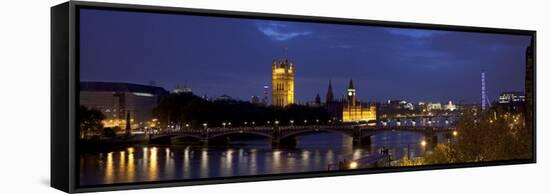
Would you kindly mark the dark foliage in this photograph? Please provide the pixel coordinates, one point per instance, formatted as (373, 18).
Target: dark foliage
(186, 108)
(90, 122)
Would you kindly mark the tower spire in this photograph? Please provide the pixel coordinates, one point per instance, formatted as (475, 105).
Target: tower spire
(351, 93)
(351, 84)
(317, 99)
(285, 49)
(282, 79)
(330, 94)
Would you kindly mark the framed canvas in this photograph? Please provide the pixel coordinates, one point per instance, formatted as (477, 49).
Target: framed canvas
(148, 96)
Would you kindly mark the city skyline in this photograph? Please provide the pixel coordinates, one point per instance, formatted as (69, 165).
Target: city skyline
(218, 54)
(167, 97)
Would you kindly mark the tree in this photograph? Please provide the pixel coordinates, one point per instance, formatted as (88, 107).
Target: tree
(186, 108)
(90, 122)
(441, 154)
(405, 161)
(108, 132)
(490, 135)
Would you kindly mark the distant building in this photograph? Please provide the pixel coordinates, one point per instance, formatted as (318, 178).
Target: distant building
(224, 97)
(354, 111)
(282, 83)
(399, 105)
(115, 100)
(512, 101)
(318, 100)
(408, 105)
(183, 89)
(266, 94)
(255, 100)
(434, 106)
(511, 97)
(450, 106)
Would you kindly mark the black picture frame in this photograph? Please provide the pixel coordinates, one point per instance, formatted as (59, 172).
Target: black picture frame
(65, 87)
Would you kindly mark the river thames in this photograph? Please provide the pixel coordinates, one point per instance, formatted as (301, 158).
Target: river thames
(313, 152)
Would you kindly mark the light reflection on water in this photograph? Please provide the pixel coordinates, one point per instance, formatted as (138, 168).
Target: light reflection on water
(313, 152)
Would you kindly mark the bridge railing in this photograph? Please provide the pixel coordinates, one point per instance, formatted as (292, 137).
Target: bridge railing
(302, 127)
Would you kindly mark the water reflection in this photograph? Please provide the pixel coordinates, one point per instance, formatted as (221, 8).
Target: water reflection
(175, 162)
(109, 168)
(186, 161)
(130, 168)
(204, 164)
(152, 167)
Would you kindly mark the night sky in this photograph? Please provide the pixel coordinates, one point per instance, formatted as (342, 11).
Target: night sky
(216, 56)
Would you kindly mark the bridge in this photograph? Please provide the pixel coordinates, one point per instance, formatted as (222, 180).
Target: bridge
(285, 135)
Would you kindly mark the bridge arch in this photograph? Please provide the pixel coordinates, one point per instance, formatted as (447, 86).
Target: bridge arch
(422, 131)
(315, 130)
(198, 137)
(229, 133)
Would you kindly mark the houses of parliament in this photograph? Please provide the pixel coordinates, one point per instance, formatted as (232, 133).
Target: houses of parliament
(348, 109)
(282, 83)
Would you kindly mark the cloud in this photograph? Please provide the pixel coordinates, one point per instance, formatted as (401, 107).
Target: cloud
(279, 31)
(414, 33)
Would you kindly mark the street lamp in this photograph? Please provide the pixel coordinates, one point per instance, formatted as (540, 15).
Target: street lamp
(423, 143)
(305, 122)
(353, 165)
(276, 122)
(291, 122)
(455, 133)
(223, 124)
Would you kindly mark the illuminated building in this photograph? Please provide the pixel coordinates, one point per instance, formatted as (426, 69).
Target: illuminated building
(434, 106)
(266, 93)
(117, 100)
(512, 101)
(450, 106)
(354, 111)
(399, 105)
(282, 83)
(511, 97)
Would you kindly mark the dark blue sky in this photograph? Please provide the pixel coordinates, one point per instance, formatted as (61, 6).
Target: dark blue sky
(216, 56)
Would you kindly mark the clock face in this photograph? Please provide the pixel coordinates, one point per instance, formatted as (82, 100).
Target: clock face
(350, 93)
